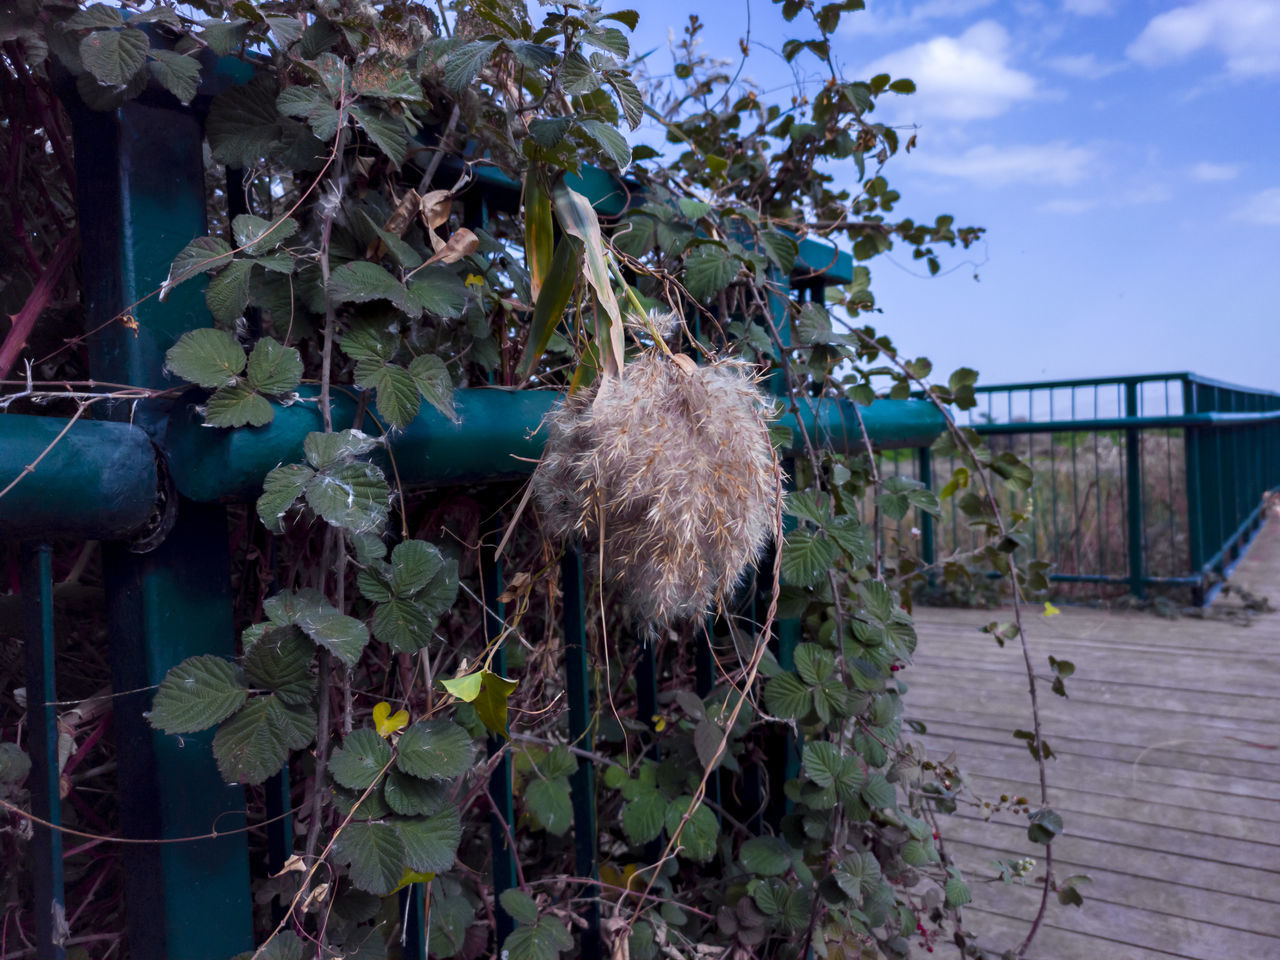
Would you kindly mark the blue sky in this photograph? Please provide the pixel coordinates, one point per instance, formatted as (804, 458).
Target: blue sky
(1123, 154)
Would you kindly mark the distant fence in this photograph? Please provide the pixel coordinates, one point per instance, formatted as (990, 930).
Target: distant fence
(1140, 481)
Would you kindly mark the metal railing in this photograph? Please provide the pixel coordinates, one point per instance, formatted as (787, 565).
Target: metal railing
(1155, 480)
(152, 483)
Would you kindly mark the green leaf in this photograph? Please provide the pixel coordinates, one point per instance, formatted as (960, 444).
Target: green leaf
(879, 793)
(280, 661)
(814, 325)
(431, 378)
(465, 63)
(413, 565)
(177, 73)
(553, 298)
(611, 39)
(257, 235)
(438, 291)
(491, 704)
(822, 762)
(767, 856)
(780, 248)
(280, 490)
(398, 399)
(644, 817)
(228, 292)
(609, 140)
(578, 219)
(196, 694)
(957, 893)
(358, 762)
(806, 557)
(544, 940)
(312, 105)
(519, 905)
(629, 97)
(708, 269)
(274, 368)
(787, 697)
(903, 86)
(403, 625)
(550, 804)
(237, 405)
(243, 124)
(412, 797)
(255, 743)
(94, 16)
(208, 357)
(345, 637)
(1045, 825)
(353, 496)
(114, 56)
(385, 130)
(374, 855)
(199, 256)
(431, 843)
(465, 688)
(698, 839)
(361, 281)
(225, 37)
(858, 874)
(324, 450)
(434, 750)
(813, 663)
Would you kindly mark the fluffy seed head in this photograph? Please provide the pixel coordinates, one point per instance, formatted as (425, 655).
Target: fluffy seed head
(670, 465)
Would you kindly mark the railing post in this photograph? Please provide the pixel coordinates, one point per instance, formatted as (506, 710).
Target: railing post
(1133, 483)
(42, 743)
(501, 803)
(583, 781)
(1195, 513)
(925, 470)
(141, 198)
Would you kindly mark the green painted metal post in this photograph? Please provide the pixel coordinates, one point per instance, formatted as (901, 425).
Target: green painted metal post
(502, 805)
(583, 782)
(1195, 513)
(141, 199)
(925, 469)
(1133, 483)
(42, 742)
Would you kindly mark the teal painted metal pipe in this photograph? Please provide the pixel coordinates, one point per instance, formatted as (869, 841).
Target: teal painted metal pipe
(497, 437)
(98, 482)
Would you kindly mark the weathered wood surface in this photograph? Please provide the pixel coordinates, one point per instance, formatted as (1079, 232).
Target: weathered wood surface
(1167, 773)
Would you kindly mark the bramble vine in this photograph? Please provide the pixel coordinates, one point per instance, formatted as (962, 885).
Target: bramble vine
(371, 262)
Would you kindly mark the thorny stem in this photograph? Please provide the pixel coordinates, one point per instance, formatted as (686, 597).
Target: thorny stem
(964, 443)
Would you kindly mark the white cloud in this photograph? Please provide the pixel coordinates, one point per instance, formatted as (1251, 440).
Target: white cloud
(1056, 163)
(1214, 172)
(1245, 32)
(1067, 205)
(904, 18)
(1262, 208)
(1089, 8)
(960, 78)
(1084, 66)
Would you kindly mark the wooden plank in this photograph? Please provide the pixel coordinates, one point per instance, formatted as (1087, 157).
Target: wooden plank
(1110, 886)
(1260, 833)
(1021, 768)
(1159, 754)
(1123, 858)
(997, 932)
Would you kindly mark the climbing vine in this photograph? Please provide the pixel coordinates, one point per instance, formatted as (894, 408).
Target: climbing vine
(422, 198)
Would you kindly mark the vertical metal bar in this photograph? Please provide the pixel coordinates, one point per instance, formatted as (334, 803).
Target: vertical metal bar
(583, 783)
(1133, 478)
(141, 198)
(501, 802)
(413, 914)
(42, 743)
(925, 469)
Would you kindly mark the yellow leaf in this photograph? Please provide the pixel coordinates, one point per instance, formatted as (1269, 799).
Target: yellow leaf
(473, 280)
(659, 723)
(387, 723)
(413, 876)
(465, 688)
(1050, 610)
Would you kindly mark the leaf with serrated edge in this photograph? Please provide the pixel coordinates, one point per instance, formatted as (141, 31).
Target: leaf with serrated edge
(199, 256)
(208, 357)
(413, 797)
(357, 763)
(255, 743)
(114, 56)
(644, 817)
(280, 490)
(353, 496)
(550, 804)
(434, 750)
(280, 661)
(238, 405)
(374, 855)
(196, 694)
(432, 380)
(431, 843)
(273, 368)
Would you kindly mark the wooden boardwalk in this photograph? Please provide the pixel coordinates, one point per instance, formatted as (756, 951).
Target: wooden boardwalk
(1167, 773)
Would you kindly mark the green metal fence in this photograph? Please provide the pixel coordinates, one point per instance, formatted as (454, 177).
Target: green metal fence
(1140, 481)
(153, 484)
